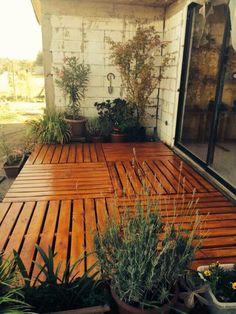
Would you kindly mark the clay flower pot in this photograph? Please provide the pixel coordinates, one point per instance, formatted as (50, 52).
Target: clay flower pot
(118, 137)
(88, 310)
(77, 128)
(12, 171)
(125, 308)
(97, 139)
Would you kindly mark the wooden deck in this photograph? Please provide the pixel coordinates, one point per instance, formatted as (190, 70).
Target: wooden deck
(66, 192)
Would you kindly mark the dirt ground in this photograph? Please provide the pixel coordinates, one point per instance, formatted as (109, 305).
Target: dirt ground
(14, 135)
(13, 129)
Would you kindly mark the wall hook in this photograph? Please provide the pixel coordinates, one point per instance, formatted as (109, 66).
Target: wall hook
(110, 77)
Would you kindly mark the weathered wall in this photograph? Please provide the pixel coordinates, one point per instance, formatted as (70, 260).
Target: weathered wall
(79, 28)
(174, 33)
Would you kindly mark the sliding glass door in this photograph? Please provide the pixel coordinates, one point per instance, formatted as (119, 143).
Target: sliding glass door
(206, 123)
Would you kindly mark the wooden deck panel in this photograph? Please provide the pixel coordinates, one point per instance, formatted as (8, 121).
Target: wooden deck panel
(64, 194)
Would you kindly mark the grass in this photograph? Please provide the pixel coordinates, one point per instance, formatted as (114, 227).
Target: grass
(19, 112)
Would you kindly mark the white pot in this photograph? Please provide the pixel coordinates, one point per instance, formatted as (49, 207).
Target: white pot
(215, 306)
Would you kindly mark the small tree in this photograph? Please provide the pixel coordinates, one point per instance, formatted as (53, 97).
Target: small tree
(135, 60)
(73, 80)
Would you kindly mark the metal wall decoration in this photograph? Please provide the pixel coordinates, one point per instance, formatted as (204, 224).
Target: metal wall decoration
(110, 78)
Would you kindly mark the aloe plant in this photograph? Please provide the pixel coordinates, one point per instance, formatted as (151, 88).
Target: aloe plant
(11, 295)
(58, 293)
(51, 128)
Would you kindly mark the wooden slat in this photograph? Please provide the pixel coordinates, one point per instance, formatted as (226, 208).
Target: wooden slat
(48, 233)
(93, 152)
(161, 178)
(62, 236)
(18, 233)
(115, 178)
(4, 207)
(72, 154)
(57, 154)
(100, 152)
(77, 237)
(41, 154)
(79, 153)
(48, 157)
(34, 154)
(87, 157)
(32, 235)
(90, 227)
(127, 187)
(64, 154)
(8, 223)
(102, 215)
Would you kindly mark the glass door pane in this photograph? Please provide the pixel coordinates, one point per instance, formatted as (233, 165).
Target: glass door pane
(224, 161)
(198, 98)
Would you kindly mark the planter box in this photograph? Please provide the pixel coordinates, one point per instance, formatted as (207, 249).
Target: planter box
(13, 171)
(87, 310)
(215, 306)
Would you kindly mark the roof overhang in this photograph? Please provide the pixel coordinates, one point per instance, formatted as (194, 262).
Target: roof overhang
(147, 3)
(37, 9)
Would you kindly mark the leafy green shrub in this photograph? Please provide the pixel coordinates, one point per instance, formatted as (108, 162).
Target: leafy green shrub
(51, 128)
(11, 297)
(73, 80)
(136, 62)
(117, 114)
(58, 293)
(143, 257)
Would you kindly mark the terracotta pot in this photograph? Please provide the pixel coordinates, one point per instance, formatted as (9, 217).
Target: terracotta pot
(97, 139)
(77, 127)
(118, 137)
(13, 171)
(124, 308)
(87, 310)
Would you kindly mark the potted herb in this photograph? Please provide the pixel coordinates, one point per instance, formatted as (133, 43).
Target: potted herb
(11, 295)
(51, 128)
(119, 116)
(14, 159)
(136, 62)
(73, 80)
(221, 295)
(95, 130)
(143, 258)
(51, 292)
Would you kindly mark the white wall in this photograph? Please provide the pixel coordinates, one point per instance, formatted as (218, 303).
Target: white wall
(174, 33)
(73, 28)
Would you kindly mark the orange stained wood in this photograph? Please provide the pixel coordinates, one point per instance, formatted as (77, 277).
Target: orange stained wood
(66, 193)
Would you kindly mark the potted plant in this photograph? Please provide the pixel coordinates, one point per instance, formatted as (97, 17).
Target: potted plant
(51, 128)
(191, 290)
(136, 62)
(143, 258)
(14, 159)
(73, 80)
(221, 295)
(67, 293)
(118, 116)
(11, 295)
(95, 130)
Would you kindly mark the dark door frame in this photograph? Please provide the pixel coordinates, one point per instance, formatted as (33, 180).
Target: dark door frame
(218, 96)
